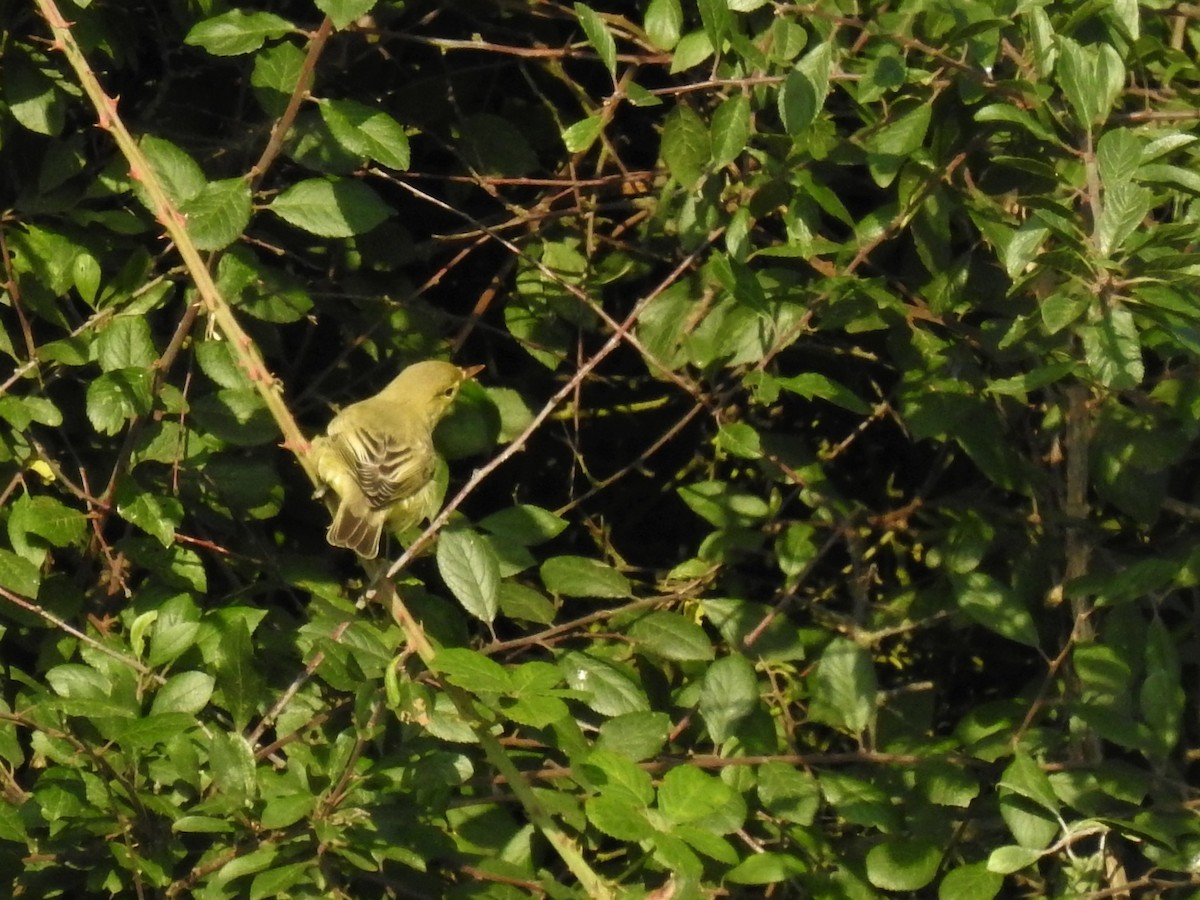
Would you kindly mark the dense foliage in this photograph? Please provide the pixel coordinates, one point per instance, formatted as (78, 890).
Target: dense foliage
(824, 522)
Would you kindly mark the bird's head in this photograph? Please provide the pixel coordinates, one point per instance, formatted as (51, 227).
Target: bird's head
(430, 386)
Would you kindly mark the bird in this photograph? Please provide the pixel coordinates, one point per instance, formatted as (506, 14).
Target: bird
(377, 455)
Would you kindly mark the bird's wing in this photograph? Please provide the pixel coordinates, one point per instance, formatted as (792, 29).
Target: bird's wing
(388, 468)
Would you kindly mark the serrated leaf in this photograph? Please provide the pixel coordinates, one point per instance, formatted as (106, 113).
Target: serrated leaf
(1124, 208)
(671, 636)
(525, 524)
(174, 630)
(469, 567)
(663, 23)
(687, 794)
(598, 36)
(581, 576)
(367, 132)
(343, 12)
(33, 99)
(686, 146)
(116, 397)
(1009, 859)
(766, 868)
(332, 208)
(48, 518)
(803, 92)
(638, 735)
(125, 343)
(581, 135)
(970, 882)
(1113, 349)
(218, 214)
(155, 514)
(18, 574)
(716, 18)
(991, 604)
(236, 32)
(728, 693)
(184, 692)
(174, 168)
(730, 131)
(903, 864)
(608, 689)
(472, 671)
(845, 691)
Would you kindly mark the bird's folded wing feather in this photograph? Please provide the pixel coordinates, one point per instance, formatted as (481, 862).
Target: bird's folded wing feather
(387, 467)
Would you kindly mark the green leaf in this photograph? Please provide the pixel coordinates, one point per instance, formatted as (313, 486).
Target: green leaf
(716, 18)
(366, 132)
(687, 794)
(814, 384)
(332, 208)
(638, 735)
(469, 567)
(281, 812)
(34, 99)
(717, 504)
(1009, 859)
(1118, 157)
(686, 146)
(344, 12)
(125, 343)
(663, 23)
(218, 214)
(766, 868)
(891, 145)
(730, 130)
(174, 168)
(973, 881)
(618, 817)
(1113, 348)
(788, 793)
(1062, 308)
(175, 629)
(277, 70)
(262, 291)
(184, 692)
(472, 671)
(48, 518)
(1092, 78)
(671, 636)
(524, 524)
(740, 440)
(235, 32)
(803, 92)
(598, 36)
(991, 604)
(118, 396)
(581, 576)
(1023, 776)
(845, 691)
(609, 690)
(1125, 207)
(728, 693)
(582, 134)
(1162, 698)
(903, 864)
(155, 514)
(231, 763)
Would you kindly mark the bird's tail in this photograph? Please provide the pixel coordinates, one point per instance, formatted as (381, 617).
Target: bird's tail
(356, 529)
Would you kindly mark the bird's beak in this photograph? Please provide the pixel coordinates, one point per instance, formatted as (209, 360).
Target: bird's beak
(472, 371)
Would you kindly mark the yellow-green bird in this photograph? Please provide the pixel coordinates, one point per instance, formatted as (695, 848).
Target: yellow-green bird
(377, 455)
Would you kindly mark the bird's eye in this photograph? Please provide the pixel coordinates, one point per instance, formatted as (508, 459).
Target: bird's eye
(449, 392)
